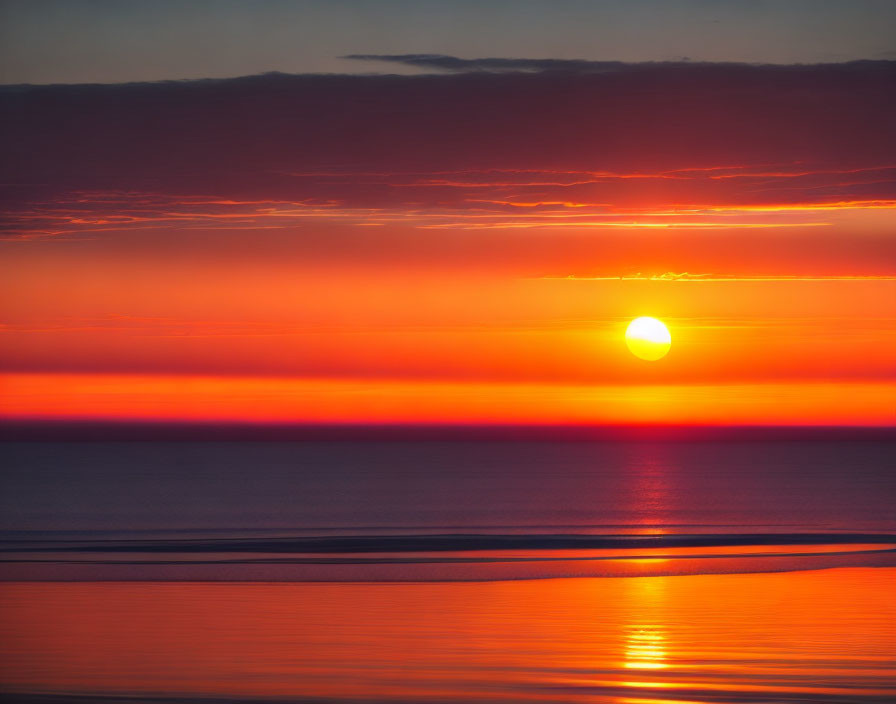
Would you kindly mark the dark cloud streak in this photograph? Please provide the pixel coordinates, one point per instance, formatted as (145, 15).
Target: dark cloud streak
(453, 63)
(443, 62)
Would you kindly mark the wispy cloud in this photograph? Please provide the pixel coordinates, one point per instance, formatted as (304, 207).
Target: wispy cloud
(82, 213)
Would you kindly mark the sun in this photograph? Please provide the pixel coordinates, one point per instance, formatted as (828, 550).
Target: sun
(648, 338)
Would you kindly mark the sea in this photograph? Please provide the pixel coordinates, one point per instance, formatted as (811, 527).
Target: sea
(724, 566)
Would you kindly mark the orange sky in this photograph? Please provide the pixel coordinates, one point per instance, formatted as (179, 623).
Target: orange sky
(217, 277)
(269, 338)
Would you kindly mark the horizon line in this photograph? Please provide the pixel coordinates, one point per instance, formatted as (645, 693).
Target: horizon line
(93, 430)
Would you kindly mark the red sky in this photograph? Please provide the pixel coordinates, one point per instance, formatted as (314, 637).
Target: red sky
(454, 248)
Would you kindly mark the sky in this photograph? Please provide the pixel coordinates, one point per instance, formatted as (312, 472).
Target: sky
(456, 225)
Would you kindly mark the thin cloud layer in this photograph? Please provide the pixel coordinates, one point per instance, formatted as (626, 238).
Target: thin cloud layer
(248, 137)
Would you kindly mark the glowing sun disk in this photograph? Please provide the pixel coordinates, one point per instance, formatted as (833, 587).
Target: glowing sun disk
(648, 338)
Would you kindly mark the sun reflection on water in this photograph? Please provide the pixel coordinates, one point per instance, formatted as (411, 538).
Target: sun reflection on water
(646, 641)
(645, 650)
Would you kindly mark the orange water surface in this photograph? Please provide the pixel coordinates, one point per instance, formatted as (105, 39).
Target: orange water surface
(827, 635)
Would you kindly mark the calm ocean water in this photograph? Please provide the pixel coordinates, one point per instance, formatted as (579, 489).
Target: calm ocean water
(704, 570)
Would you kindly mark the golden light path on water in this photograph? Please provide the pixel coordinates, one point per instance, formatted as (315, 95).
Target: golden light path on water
(645, 647)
